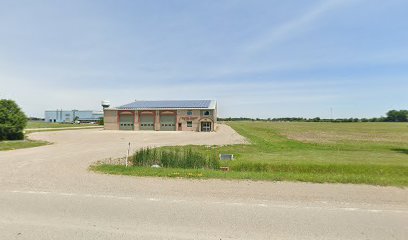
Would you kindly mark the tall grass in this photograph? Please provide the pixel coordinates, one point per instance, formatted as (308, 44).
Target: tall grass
(175, 158)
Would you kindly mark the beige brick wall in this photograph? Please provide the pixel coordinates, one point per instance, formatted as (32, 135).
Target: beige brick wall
(110, 118)
(215, 114)
(184, 125)
(157, 121)
(181, 114)
(136, 116)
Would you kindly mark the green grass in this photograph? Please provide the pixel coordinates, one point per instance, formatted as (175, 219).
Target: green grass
(367, 153)
(346, 143)
(365, 175)
(40, 124)
(60, 129)
(36, 126)
(12, 145)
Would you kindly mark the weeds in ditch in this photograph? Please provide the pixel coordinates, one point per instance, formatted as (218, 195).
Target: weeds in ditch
(175, 158)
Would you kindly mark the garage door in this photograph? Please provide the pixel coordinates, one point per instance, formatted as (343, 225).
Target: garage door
(168, 123)
(146, 122)
(126, 122)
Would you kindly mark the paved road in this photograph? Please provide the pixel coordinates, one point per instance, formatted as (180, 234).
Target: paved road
(47, 193)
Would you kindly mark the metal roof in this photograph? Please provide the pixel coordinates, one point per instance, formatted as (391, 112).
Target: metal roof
(171, 104)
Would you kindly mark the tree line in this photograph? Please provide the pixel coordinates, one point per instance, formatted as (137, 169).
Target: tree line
(391, 116)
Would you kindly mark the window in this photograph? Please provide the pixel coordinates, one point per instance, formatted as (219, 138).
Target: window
(189, 124)
(206, 127)
(206, 113)
(189, 113)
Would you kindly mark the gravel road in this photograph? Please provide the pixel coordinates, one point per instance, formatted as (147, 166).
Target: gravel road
(48, 193)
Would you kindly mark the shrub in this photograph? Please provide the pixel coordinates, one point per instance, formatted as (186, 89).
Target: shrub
(174, 158)
(101, 121)
(12, 121)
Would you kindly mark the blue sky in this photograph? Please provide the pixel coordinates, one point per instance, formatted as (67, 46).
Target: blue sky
(257, 58)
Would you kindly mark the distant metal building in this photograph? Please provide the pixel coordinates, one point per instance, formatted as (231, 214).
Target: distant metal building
(69, 116)
(174, 115)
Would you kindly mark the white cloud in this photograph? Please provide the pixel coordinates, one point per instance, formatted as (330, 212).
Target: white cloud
(294, 26)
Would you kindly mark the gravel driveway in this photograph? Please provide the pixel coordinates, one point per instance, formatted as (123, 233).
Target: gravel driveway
(63, 164)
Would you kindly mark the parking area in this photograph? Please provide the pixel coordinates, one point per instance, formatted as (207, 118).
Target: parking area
(64, 163)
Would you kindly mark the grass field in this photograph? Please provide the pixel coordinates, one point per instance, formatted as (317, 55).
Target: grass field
(40, 124)
(11, 145)
(368, 153)
(37, 126)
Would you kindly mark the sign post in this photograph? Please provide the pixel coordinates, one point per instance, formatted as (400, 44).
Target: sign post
(127, 155)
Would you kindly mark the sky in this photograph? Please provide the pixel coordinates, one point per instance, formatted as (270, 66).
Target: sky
(256, 58)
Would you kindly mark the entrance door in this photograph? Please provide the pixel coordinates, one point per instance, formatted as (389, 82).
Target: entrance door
(205, 126)
(146, 122)
(126, 122)
(167, 123)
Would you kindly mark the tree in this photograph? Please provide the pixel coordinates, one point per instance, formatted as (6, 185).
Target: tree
(397, 116)
(12, 121)
(101, 121)
(316, 119)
